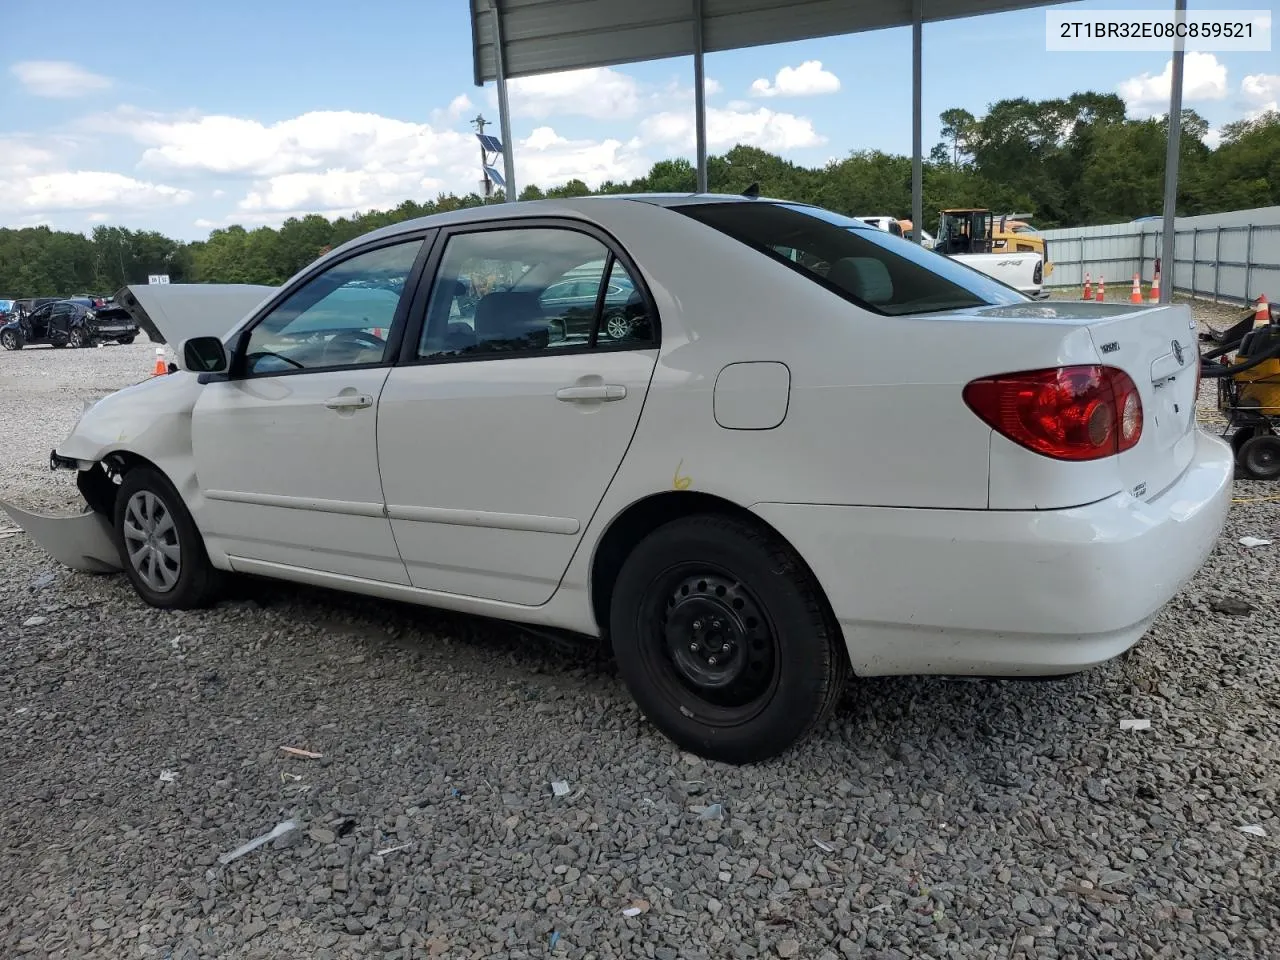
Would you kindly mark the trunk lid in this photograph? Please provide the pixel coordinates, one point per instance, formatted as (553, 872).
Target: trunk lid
(1157, 348)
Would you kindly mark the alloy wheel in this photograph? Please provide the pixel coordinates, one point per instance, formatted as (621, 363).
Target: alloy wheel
(151, 540)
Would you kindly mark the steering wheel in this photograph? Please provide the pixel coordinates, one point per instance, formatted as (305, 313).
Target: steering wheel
(252, 359)
(359, 338)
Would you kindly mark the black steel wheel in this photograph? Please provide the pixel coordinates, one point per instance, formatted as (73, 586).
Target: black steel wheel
(1259, 457)
(161, 550)
(724, 640)
(10, 340)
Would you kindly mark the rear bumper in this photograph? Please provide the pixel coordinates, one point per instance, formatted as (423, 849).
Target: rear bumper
(1008, 593)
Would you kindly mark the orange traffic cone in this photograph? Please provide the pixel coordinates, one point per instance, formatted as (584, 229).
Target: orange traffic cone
(1262, 315)
(161, 367)
(1102, 289)
(1155, 287)
(1135, 295)
(1088, 287)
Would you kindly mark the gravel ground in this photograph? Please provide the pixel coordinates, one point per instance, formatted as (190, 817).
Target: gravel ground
(931, 818)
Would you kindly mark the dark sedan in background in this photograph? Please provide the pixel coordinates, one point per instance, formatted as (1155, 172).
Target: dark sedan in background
(75, 322)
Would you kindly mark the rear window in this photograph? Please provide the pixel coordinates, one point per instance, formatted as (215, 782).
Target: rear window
(872, 268)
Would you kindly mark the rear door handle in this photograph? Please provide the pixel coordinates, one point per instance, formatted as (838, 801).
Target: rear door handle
(349, 401)
(603, 391)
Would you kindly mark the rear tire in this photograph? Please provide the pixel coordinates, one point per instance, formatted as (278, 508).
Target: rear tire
(723, 638)
(1242, 436)
(161, 550)
(1259, 457)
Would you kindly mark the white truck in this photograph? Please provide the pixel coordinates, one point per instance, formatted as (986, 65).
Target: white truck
(1022, 270)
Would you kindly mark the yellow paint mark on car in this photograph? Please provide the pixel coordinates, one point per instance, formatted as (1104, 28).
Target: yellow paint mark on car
(678, 482)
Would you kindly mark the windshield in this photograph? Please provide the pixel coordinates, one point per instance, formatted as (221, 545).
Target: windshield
(872, 268)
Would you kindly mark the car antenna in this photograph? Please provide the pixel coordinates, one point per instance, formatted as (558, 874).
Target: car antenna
(752, 191)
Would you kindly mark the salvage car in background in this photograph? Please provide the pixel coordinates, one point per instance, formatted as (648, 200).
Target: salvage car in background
(818, 450)
(75, 322)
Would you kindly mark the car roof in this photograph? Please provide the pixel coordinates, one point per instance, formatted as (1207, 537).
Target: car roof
(574, 207)
(551, 207)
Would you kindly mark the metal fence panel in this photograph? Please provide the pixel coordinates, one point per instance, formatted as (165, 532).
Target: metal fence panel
(1232, 257)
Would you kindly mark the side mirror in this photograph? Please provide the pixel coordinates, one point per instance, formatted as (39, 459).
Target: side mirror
(203, 355)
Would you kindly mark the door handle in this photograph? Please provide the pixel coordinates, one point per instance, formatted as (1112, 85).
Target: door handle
(349, 401)
(601, 391)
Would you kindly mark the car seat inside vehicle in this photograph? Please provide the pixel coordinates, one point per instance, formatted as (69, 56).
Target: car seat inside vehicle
(507, 320)
(865, 278)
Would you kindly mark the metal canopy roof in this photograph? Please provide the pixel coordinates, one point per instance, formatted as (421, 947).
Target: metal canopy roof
(519, 38)
(543, 36)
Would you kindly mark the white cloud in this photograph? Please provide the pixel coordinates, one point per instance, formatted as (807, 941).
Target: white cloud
(87, 190)
(806, 80)
(761, 127)
(458, 106)
(1203, 78)
(1212, 138)
(98, 217)
(337, 190)
(58, 78)
(317, 141)
(1262, 91)
(711, 87)
(219, 193)
(596, 92)
(549, 160)
(36, 177)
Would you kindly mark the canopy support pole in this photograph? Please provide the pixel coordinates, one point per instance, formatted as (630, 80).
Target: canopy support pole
(1171, 159)
(917, 145)
(699, 97)
(504, 109)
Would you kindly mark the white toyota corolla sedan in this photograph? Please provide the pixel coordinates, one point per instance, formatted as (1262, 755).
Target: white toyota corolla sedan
(798, 448)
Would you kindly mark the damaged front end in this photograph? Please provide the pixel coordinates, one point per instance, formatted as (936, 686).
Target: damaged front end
(82, 541)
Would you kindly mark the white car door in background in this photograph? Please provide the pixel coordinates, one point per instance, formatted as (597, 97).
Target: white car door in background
(286, 449)
(499, 436)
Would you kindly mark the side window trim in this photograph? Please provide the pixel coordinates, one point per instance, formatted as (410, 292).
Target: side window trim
(399, 320)
(431, 276)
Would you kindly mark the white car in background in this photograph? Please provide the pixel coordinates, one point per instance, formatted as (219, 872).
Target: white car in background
(818, 450)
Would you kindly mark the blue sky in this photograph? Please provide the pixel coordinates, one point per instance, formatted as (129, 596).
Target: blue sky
(155, 116)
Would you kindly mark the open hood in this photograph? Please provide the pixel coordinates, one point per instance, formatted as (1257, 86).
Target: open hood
(173, 312)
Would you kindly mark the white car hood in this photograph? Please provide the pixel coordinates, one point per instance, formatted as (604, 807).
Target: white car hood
(171, 313)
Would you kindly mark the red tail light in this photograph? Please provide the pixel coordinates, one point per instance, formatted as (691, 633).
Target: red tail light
(1068, 413)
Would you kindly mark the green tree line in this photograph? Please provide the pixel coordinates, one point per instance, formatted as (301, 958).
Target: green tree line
(1067, 162)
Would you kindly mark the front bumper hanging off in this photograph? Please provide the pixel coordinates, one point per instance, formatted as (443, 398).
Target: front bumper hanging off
(82, 541)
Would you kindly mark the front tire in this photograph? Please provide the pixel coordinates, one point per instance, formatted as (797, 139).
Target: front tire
(161, 550)
(722, 637)
(125, 340)
(76, 339)
(10, 340)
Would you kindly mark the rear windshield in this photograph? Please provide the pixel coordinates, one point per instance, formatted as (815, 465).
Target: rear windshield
(872, 268)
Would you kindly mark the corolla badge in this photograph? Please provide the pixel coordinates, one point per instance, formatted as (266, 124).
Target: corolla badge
(1177, 352)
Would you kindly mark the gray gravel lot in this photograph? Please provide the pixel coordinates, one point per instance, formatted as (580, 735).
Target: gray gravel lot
(932, 818)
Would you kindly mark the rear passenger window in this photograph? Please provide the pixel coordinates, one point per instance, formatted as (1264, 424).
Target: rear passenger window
(870, 267)
(531, 290)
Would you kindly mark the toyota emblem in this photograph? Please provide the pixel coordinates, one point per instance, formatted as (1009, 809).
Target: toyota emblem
(1177, 352)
